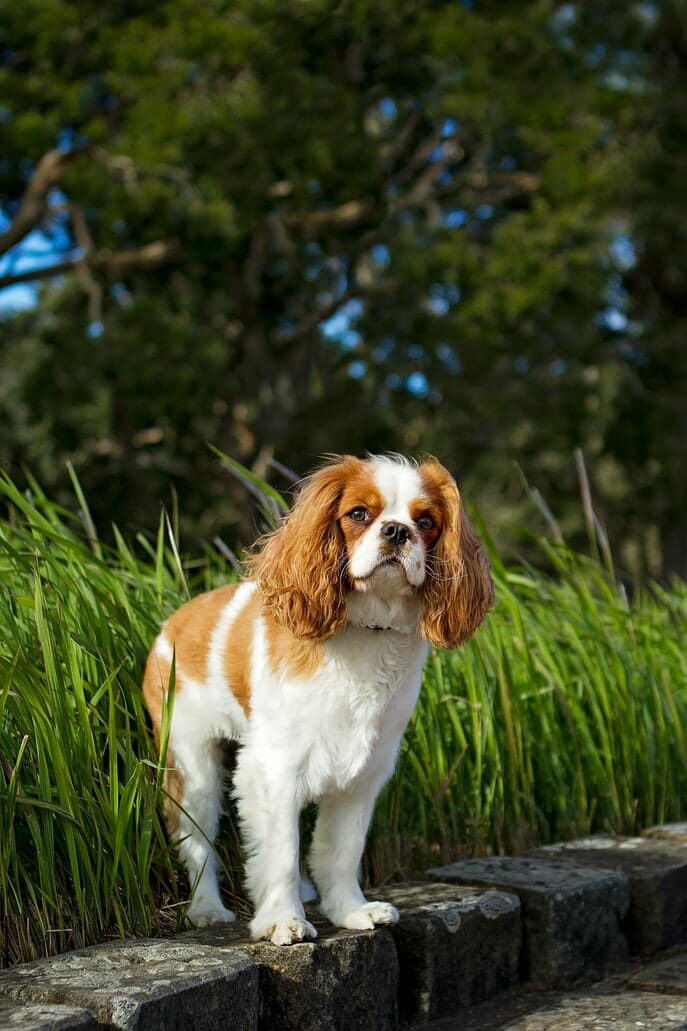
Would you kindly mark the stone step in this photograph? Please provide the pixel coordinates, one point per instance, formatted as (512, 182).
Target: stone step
(584, 1010)
(571, 914)
(456, 947)
(667, 975)
(656, 868)
(451, 963)
(452, 948)
(342, 980)
(19, 1016)
(667, 831)
(653, 997)
(142, 986)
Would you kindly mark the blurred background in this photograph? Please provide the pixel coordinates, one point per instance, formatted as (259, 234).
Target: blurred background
(285, 229)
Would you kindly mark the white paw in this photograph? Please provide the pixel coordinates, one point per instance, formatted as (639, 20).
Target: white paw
(205, 915)
(285, 931)
(371, 914)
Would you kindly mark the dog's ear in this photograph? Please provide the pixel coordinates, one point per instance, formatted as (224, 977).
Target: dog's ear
(300, 567)
(458, 590)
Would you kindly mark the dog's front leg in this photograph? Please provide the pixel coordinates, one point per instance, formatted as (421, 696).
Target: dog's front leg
(269, 806)
(338, 842)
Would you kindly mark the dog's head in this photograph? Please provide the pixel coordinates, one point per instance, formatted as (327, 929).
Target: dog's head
(376, 525)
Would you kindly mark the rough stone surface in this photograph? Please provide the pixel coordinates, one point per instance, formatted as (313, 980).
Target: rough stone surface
(668, 975)
(592, 1011)
(456, 946)
(571, 914)
(657, 871)
(43, 1017)
(342, 981)
(651, 997)
(668, 831)
(145, 985)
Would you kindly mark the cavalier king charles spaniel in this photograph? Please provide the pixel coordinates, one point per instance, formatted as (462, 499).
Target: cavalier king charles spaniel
(313, 665)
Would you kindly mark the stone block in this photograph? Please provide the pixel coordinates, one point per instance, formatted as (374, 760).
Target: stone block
(145, 985)
(14, 1016)
(571, 914)
(596, 1011)
(667, 831)
(656, 869)
(342, 981)
(456, 947)
(668, 975)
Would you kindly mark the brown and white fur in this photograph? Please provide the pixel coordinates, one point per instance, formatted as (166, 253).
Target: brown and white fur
(314, 666)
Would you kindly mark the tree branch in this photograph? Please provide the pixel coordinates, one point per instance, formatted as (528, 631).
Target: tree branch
(496, 189)
(312, 320)
(48, 174)
(421, 192)
(394, 152)
(344, 216)
(151, 255)
(15, 278)
(108, 263)
(33, 209)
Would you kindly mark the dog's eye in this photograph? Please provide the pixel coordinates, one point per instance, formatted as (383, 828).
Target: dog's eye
(359, 515)
(425, 523)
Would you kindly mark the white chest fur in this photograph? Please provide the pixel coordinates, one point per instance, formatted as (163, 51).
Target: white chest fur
(347, 720)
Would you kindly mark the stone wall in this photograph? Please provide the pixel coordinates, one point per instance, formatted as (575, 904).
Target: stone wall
(480, 943)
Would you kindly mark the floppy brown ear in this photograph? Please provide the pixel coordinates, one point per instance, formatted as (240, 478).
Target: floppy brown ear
(300, 567)
(458, 591)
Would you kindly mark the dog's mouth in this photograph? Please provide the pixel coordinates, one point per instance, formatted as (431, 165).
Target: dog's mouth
(388, 567)
(389, 580)
(392, 559)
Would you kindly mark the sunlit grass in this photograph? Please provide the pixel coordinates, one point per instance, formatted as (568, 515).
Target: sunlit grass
(82, 849)
(566, 713)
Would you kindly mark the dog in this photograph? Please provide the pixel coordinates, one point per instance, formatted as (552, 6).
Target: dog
(313, 664)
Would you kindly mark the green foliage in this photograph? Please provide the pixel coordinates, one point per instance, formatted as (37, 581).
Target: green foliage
(565, 714)
(82, 849)
(456, 182)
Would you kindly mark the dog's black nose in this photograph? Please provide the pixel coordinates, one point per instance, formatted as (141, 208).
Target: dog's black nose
(395, 533)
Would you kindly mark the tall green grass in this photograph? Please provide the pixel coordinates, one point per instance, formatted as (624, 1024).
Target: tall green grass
(565, 714)
(82, 850)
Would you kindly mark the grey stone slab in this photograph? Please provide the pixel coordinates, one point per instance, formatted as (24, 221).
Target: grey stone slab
(342, 981)
(668, 975)
(456, 946)
(599, 1009)
(667, 832)
(145, 985)
(595, 1012)
(15, 1016)
(657, 872)
(571, 914)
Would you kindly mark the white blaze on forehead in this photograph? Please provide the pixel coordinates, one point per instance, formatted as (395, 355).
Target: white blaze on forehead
(400, 485)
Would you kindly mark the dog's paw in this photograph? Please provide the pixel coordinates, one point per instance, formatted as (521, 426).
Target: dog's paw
(290, 930)
(371, 914)
(286, 930)
(205, 915)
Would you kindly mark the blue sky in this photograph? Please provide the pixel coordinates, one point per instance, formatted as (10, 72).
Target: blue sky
(41, 248)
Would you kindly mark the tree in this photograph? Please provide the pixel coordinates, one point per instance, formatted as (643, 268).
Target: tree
(648, 432)
(287, 229)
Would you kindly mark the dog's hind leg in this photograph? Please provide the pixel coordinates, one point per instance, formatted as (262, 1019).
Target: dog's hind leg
(195, 785)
